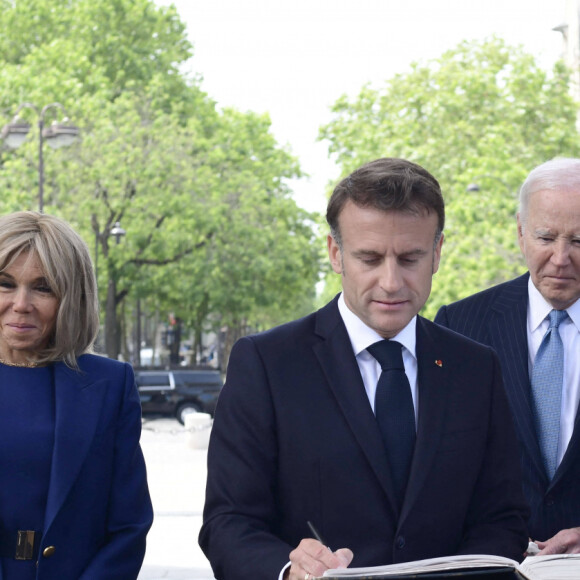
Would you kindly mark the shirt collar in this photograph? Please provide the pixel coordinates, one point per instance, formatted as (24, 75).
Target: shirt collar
(362, 336)
(539, 308)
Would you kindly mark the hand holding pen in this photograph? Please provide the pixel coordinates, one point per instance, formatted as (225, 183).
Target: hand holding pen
(313, 557)
(316, 534)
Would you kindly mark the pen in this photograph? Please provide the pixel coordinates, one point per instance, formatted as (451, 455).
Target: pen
(316, 534)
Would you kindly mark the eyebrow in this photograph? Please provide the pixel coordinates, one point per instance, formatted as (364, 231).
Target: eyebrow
(373, 253)
(39, 280)
(415, 252)
(366, 253)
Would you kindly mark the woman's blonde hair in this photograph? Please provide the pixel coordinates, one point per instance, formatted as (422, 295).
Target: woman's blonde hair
(66, 264)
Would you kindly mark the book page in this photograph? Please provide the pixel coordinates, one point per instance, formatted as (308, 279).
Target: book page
(554, 567)
(429, 565)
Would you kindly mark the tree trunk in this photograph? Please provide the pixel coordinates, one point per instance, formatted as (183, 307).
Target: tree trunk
(112, 342)
(137, 342)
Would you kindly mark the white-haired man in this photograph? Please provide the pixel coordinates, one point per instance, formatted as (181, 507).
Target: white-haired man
(533, 322)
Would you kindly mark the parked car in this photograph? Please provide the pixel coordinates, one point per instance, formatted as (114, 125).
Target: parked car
(178, 392)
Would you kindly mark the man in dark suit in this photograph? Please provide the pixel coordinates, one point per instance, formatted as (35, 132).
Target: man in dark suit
(513, 318)
(295, 437)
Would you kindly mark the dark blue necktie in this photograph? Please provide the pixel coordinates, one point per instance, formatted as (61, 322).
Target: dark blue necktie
(547, 379)
(394, 411)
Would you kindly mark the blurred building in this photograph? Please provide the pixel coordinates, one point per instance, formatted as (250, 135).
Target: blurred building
(570, 30)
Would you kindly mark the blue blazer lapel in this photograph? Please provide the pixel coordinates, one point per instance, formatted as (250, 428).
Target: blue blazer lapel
(433, 394)
(508, 337)
(78, 407)
(339, 365)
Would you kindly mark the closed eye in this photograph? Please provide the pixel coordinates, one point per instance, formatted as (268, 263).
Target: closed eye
(368, 258)
(370, 261)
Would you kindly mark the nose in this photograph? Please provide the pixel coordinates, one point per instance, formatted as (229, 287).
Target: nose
(22, 302)
(390, 278)
(561, 253)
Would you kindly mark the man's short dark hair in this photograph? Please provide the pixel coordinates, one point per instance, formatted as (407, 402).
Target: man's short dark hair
(388, 184)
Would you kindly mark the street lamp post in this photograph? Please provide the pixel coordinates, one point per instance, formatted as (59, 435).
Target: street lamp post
(56, 135)
(117, 232)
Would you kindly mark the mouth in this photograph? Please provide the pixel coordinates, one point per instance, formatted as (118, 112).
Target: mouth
(559, 278)
(20, 327)
(390, 304)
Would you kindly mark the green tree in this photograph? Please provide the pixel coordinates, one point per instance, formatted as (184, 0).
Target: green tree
(484, 112)
(261, 264)
(188, 182)
(90, 47)
(85, 55)
(192, 202)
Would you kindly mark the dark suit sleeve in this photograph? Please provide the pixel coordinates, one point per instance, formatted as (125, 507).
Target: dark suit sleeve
(129, 511)
(495, 522)
(240, 515)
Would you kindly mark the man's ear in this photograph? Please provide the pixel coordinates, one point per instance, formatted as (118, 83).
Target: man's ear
(521, 233)
(334, 254)
(437, 254)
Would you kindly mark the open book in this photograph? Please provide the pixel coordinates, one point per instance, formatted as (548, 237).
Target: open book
(556, 567)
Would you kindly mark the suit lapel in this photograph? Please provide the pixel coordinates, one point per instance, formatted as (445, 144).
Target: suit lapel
(432, 379)
(339, 365)
(78, 408)
(508, 337)
(572, 453)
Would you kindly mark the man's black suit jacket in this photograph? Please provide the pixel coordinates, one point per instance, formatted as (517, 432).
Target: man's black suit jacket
(295, 439)
(497, 317)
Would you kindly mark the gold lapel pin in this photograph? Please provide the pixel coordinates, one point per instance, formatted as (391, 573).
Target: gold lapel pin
(439, 363)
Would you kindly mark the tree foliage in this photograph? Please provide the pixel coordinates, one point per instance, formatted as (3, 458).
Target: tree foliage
(483, 113)
(213, 234)
(107, 46)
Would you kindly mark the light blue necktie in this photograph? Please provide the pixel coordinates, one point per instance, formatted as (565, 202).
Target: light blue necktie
(547, 379)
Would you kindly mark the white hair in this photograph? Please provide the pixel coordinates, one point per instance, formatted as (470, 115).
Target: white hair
(560, 174)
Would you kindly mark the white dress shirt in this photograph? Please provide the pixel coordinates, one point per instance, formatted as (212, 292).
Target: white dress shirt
(361, 336)
(537, 325)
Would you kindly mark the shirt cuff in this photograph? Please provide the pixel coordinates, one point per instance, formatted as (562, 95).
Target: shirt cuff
(281, 576)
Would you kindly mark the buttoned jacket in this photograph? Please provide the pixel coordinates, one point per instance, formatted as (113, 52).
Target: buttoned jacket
(497, 317)
(295, 440)
(98, 509)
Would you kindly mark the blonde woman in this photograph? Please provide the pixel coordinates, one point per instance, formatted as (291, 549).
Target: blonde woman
(74, 501)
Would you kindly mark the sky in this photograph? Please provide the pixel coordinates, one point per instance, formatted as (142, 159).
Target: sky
(295, 58)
